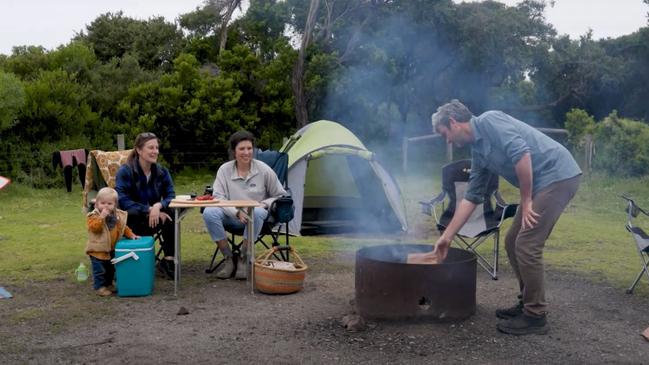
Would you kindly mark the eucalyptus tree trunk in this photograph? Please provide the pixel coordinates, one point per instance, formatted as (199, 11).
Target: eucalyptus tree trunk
(301, 112)
(223, 37)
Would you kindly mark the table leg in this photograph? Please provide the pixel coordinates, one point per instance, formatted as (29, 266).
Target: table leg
(251, 247)
(176, 249)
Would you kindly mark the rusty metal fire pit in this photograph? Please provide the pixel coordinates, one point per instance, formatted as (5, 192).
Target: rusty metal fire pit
(389, 288)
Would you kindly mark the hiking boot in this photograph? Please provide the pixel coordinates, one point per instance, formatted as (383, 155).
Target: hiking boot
(227, 270)
(511, 312)
(524, 324)
(242, 269)
(104, 292)
(112, 288)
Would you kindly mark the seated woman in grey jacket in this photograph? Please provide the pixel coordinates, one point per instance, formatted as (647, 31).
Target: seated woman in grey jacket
(242, 178)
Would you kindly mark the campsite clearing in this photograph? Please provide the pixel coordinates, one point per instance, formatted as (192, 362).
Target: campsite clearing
(52, 318)
(60, 321)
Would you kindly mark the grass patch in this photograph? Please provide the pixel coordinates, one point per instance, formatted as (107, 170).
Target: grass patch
(43, 234)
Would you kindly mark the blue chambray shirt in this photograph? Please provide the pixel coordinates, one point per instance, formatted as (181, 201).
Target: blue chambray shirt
(500, 141)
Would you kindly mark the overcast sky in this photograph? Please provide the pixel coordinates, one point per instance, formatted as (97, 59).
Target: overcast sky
(50, 23)
(607, 18)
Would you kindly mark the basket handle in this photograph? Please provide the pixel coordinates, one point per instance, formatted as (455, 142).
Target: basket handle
(266, 255)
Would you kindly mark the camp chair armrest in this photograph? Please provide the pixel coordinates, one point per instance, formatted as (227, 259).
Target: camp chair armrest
(282, 209)
(633, 208)
(427, 207)
(439, 198)
(641, 210)
(500, 200)
(509, 211)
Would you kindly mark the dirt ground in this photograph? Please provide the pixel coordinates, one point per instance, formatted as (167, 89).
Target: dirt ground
(61, 322)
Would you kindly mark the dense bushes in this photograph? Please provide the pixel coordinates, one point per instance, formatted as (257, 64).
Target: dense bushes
(578, 124)
(379, 68)
(74, 97)
(621, 146)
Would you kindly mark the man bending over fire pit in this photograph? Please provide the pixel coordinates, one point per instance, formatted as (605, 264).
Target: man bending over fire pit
(547, 176)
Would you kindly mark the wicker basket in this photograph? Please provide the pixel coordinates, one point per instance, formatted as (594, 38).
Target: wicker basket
(279, 277)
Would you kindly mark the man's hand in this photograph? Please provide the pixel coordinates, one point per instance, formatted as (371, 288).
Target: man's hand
(523, 170)
(528, 215)
(424, 258)
(441, 248)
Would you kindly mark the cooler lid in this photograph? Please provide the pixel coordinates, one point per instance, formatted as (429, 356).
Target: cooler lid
(129, 244)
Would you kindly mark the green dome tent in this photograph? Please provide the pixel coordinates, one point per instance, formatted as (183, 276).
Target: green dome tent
(337, 185)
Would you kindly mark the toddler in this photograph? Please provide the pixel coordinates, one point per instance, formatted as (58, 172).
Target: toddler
(106, 225)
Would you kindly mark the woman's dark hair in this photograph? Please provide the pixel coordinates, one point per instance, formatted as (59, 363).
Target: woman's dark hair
(140, 141)
(238, 137)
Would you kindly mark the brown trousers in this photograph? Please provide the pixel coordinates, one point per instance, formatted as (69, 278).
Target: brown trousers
(525, 248)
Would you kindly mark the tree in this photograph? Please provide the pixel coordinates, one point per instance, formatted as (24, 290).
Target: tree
(301, 113)
(577, 74)
(266, 90)
(27, 61)
(109, 84)
(621, 146)
(192, 112)
(578, 123)
(262, 28)
(75, 58)
(229, 6)
(391, 62)
(154, 42)
(626, 88)
(12, 99)
(212, 18)
(111, 35)
(55, 108)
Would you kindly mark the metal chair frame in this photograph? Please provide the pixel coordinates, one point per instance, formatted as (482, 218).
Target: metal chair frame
(502, 210)
(266, 231)
(640, 237)
(278, 161)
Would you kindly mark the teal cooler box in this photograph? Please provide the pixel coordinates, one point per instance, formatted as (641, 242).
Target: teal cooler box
(134, 266)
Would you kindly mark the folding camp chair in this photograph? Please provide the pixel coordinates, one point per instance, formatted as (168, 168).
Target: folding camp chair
(279, 214)
(101, 172)
(485, 220)
(639, 236)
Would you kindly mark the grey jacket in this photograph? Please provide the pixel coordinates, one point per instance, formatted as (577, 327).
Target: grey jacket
(261, 184)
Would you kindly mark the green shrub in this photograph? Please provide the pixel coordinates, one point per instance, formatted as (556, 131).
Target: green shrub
(578, 123)
(30, 163)
(621, 146)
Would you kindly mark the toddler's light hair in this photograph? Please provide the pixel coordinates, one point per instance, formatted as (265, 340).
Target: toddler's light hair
(106, 194)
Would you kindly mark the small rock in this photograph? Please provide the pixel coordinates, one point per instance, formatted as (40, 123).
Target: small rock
(353, 323)
(182, 311)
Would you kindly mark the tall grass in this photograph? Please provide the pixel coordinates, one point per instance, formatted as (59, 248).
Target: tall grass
(43, 234)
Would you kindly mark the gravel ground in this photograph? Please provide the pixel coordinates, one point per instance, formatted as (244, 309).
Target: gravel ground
(61, 322)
